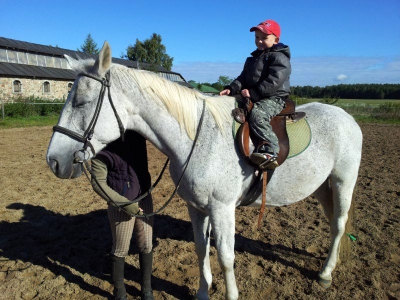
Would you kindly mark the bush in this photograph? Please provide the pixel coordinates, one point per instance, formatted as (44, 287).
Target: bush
(32, 107)
(387, 111)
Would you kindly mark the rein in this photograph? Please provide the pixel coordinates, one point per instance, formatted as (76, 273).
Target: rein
(88, 134)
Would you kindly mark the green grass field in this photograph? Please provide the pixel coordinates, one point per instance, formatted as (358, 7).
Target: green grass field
(28, 121)
(361, 102)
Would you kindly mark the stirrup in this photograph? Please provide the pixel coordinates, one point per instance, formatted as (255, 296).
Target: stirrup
(264, 160)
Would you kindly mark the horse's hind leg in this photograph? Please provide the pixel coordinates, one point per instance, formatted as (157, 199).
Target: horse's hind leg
(324, 196)
(201, 230)
(340, 191)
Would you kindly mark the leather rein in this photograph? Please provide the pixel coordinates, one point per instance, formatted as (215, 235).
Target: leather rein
(88, 134)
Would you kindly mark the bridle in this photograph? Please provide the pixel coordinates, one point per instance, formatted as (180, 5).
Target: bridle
(88, 134)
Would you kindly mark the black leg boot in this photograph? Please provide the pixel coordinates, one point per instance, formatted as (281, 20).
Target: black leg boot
(117, 273)
(146, 268)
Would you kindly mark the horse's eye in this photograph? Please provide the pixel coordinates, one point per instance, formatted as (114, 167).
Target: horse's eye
(81, 104)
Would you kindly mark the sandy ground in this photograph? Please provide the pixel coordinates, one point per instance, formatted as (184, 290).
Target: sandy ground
(54, 234)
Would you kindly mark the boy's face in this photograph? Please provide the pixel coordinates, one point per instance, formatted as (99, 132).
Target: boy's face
(264, 41)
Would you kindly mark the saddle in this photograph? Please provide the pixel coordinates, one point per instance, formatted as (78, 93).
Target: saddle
(244, 135)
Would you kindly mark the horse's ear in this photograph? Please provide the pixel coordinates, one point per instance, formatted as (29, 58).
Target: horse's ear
(71, 61)
(103, 62)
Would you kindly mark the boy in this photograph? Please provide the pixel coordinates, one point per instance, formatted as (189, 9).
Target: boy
(265, 81)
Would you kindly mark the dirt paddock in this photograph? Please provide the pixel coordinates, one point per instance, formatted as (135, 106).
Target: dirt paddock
(54, 234)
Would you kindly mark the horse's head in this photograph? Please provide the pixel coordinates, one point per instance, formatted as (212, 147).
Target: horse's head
(88, 120)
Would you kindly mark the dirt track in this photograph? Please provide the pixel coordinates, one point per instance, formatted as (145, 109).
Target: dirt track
(54, 234)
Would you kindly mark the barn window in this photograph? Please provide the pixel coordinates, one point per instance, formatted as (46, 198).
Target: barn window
(57, 62)
(32, 59)
(12, 57)
(41, 61)
(46, 87)
(49, 61)
(22, 59)
(17, 86)
(3, 55)
(65, 64)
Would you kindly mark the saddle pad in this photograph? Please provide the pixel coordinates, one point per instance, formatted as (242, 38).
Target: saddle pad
(299, 135)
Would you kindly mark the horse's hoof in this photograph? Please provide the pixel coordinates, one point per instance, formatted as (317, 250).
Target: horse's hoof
(324, 283)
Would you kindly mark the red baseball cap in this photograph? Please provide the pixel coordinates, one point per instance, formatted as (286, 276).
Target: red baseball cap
(268, 27)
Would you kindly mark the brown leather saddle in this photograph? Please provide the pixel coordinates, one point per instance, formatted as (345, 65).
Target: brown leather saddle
(244, 135)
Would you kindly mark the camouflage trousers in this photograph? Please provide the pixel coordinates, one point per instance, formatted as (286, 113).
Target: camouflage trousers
(261, 114)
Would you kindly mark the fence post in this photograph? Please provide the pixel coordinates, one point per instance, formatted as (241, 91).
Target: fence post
(2, 108)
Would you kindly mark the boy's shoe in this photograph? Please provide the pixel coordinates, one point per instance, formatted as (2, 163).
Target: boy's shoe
(264, 160)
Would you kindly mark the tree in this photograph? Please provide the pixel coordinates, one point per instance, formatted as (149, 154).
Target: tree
(89, 46)
(222, 82)
(150, 51)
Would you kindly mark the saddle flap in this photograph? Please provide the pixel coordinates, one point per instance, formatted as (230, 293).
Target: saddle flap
(278, 124)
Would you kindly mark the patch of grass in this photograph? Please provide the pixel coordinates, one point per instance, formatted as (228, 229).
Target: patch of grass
(369, 119)
(17, 122)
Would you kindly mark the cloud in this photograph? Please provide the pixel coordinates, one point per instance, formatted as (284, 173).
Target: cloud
(341, 77)
(313, 71)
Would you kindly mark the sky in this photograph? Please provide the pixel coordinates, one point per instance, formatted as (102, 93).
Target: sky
(331, 42)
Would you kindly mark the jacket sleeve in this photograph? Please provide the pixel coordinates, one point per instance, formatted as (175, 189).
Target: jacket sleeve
(100, 186)
(279, 70)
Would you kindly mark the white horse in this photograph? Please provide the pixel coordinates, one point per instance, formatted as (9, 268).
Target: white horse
(217, 176)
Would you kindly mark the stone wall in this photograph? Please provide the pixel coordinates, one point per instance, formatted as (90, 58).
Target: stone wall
(33, 87)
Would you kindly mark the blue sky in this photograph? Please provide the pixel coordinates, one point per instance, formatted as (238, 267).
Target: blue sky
(332, 42)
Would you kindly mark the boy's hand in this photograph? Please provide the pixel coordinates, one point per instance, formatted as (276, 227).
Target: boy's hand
(245, 93)
(225, 92)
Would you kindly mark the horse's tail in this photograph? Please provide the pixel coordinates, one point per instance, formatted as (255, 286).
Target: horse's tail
(345, 243)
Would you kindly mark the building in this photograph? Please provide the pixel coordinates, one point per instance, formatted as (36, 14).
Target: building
(33, 70)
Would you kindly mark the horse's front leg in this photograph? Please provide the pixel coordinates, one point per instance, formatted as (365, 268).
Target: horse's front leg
(201, 230)
(223, 227)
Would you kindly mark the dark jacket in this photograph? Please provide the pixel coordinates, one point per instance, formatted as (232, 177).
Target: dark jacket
(265, 74)
(134, 152)
(121, 168)
(121, 177)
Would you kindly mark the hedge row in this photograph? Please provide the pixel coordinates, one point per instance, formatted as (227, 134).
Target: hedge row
(29, 109)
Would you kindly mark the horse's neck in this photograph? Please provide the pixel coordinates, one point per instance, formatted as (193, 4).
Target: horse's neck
(157, 125)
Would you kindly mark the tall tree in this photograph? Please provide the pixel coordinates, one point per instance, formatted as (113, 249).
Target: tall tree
(89, 46)
(150, 51)
(222, 82)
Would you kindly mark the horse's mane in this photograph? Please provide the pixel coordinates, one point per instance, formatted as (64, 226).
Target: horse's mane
(180, 101)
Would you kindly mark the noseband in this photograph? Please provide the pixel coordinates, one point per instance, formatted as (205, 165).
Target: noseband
(88, 134)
